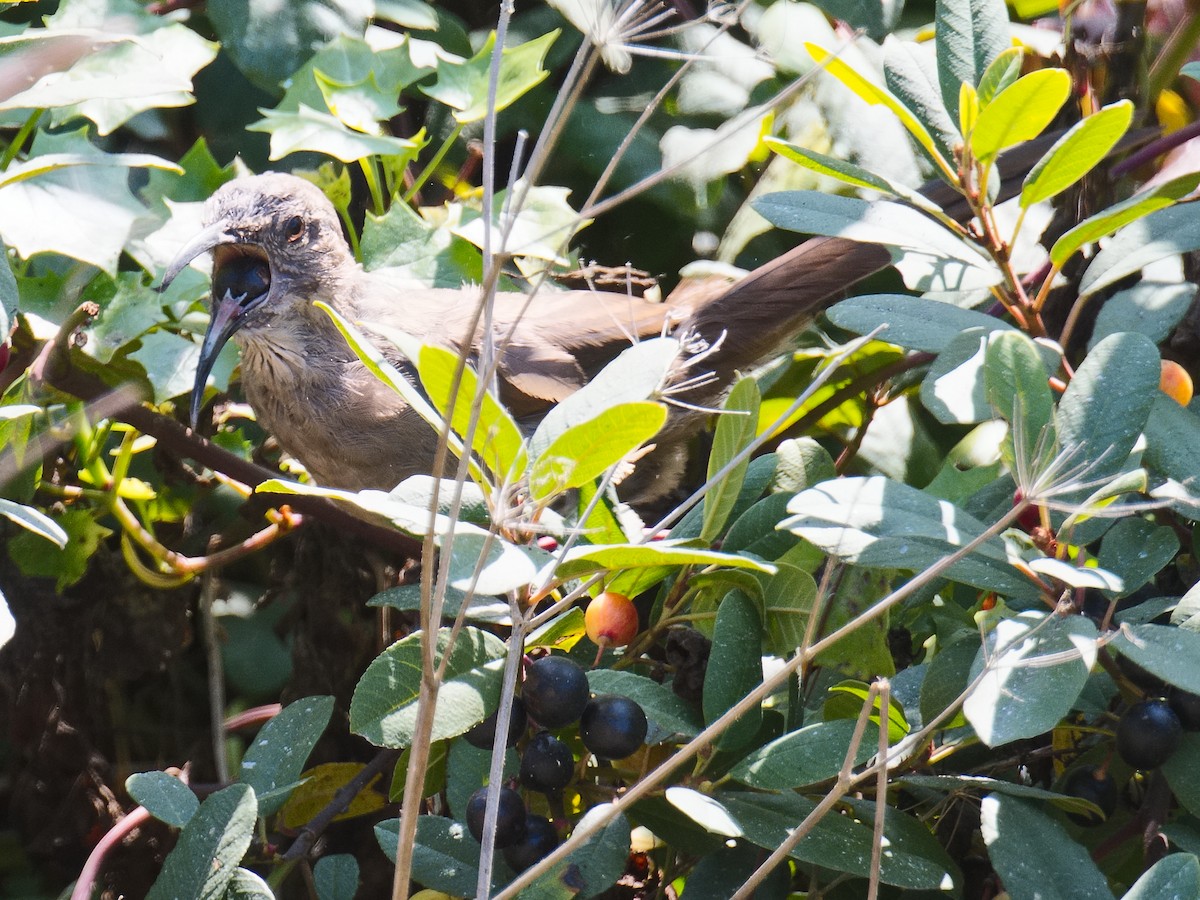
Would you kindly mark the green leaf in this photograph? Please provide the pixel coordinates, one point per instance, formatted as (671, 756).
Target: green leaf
(384, 706)
(735, 431)
(153, 70)
(869, 221)
(1152, 308)
(842, 842)
(321, 132)
(268, 42)
(585, 560)
(802, 463)
(491, 565)
(910, 72)
(882, 524)
(35, 521)
(1162, 234)
(959, 783)
(1180, 772)
(846, 172)
(637, 374)
(1000, 74)
(724, 869)
(788, 600)
(846, 700)
(1036, 666)
(445, 856)
(1165, 651)
(1017, 388)
(954, 389)
(1175, 875)
(1169, 233)
(876, 19)
(414, 249)
(67, 565)
(948, 676)
(585, 451)
(969, 35)
(1172, 440)
(463, 86)
(355, 81)
(734, 668)
(1106, 405)
(659, 702)
(170, 363)
(1020, 113)
(562, 632)
(276, 757)
(164, 796)
(247, 885)
(1035, 856)
(1076, 153)
(812, 754)
(592, 868)
(210, 847)
(1136, 550)
(875, 95)
(754, 530)
(497, 440)
(73, 199)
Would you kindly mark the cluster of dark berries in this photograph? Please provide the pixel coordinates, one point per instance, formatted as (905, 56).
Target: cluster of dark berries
(555, 695)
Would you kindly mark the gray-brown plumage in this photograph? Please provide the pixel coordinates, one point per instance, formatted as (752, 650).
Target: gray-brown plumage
(278, 246)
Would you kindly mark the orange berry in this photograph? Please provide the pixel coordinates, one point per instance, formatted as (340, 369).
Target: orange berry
(611, 620)
(1175, 382)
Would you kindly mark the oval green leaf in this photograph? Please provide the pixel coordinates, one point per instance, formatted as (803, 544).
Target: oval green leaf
(384, 706)
(1019, 113)
(1076, 153)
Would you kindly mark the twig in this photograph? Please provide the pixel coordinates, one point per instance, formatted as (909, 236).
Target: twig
(339, 804)
(114, 836)
(216, 673)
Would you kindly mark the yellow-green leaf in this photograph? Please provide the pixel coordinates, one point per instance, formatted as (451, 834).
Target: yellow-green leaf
(584, 451)
(1121, 214)
(1076, 153)
(877, 96)
(1019, 113)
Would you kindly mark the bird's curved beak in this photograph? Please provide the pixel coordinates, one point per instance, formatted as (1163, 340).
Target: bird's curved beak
(226, 319)
(215, 234)
(241, 278)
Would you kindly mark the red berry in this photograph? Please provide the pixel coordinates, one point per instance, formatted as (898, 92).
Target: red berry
(611, 620)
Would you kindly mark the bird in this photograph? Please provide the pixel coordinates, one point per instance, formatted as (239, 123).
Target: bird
(277, 246)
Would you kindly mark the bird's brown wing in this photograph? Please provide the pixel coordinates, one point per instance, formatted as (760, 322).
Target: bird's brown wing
(562, 339)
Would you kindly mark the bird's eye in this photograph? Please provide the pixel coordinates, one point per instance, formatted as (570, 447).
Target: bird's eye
(295, 228)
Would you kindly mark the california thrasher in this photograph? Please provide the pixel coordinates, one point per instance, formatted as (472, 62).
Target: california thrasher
(277, 246)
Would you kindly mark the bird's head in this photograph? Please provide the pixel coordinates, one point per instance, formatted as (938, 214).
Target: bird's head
(275, 240)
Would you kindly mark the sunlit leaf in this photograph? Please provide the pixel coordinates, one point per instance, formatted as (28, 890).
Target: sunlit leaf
(463, 86)
(585, 451)
(1020, 113)
(1173, 228)
(969, 35)
(1076, 153)
(321, 132)
(384, 706)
